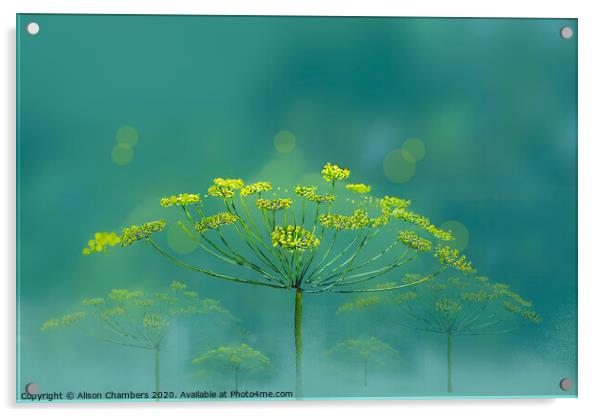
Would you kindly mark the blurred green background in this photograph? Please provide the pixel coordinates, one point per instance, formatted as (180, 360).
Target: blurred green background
(115, 112)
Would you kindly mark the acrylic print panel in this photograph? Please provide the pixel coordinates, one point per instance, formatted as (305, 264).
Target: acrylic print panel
(224, 208)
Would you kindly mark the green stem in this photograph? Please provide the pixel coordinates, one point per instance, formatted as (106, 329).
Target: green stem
(298, 343)
(236, 378)
(315, 274)
(250, 238)
(365, 372)
(377, 256)
(249, 216)
(316, 217)
(220, 254)
(350, 261)
(206, 271)
(353, 256)
(350, 280)
(157, 371)
(331, 192)
(241, 260)
(380, 289)
(235, 259)
(469, 319)
(449, 362)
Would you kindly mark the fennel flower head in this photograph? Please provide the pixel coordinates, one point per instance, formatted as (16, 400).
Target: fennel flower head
(234, 184)
(180, 200)
(215, 221)
(275, 204)
(135, 233)
(294, 238)
(101, 241)
(256, 187)
(412, 240)
(332, 172)
(359, 188)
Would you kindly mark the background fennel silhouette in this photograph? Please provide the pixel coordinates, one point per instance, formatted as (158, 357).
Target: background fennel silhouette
(451, 306)
(366, 351)
(319, 238)
(136, 319)
(235, 358)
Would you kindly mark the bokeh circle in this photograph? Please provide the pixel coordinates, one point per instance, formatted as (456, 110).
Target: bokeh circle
(285, 141)
(399, 165)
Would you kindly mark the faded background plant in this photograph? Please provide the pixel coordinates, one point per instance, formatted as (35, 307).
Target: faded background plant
(240, 359)
(138, 319)
(366, 351)
(466, 304)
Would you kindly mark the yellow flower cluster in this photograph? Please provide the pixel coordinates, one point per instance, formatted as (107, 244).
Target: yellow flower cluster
(310, 194)
(381, 220)
(234, 356)
(517, 298)
(517, 306)
(294, 238)
(513, 308)
(164, 298)
(364, 348)
(387, 205)
(69, 319)
(180, 200)
(321, 198)
(154, 321)
(406, 296)
(215, 221)
(332, 172)
(177, 285)
(388, 202)
(437, 287)
(458, 282)
(93, 301)
(216, 191)
(305, 191)
(124, 294)
(228, 183)
(532, 316)
(412, 240)
(499, 288)
(359, 188)
(360, 304)
(276, 204)
(50, 324)
(66, 320)
(112, 312)
(411, 278)
(256, 187)
(422, 222)
(449, 256)
(357, 220)
(478, 296)
(101, 241)
(438, 233)
(134, 233)
(447, 306)
(144, 303)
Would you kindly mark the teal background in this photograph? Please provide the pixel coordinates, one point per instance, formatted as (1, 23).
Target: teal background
(493, 100)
